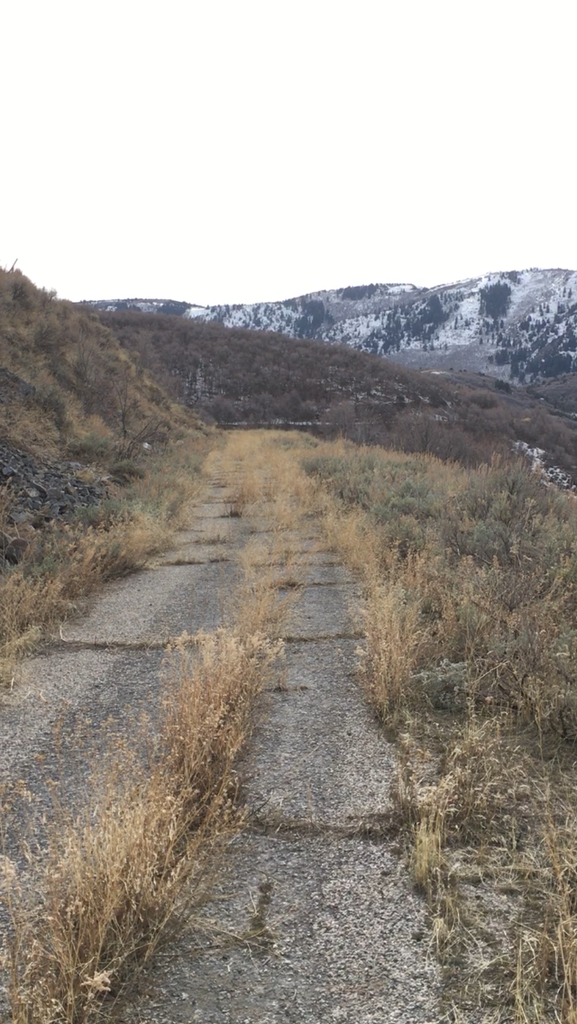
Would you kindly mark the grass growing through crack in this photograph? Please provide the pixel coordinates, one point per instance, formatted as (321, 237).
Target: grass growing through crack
(121, 874)
(471, 659)
(470, 623)
(471, 656)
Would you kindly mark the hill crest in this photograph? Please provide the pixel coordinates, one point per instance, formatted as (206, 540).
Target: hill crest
(517, 325)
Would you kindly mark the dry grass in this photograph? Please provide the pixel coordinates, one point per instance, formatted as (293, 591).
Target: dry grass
(392, 635)
(471, 650)
(470, 584)
(261, 603)
(69, 562)
(126, 870)
(77, 394)
(123, 873)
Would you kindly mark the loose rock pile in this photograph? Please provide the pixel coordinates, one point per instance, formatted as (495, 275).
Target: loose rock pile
(38, 494)
(33, 495)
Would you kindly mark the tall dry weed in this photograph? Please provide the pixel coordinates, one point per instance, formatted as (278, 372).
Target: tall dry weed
(392, 638)
(471, 647)
(546, 967)
(127, 869)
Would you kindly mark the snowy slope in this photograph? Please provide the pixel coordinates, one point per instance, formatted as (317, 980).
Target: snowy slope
(518, 324)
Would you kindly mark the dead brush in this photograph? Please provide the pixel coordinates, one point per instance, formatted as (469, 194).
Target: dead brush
(546, 969)
(259, 604)
(474, 789)
(350, 534)
(272, 483)
(471, 647)
(258, 607)
(240, 500)
(120, 876)
(392, 639)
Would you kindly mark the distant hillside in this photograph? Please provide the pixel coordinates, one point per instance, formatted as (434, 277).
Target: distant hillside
(520, 325)
(233, 376)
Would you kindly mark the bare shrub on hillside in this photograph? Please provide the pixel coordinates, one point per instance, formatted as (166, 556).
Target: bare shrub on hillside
(76, 369)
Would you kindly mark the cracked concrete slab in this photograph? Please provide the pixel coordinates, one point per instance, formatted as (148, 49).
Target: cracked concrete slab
(318, 754)
(157, 604)
(212, 510)
(325, 611)
(314, 918)
(321, 573)
(339, 937)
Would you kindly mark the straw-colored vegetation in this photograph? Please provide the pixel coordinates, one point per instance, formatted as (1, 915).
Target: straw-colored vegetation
(77, 395)
(470, 620)
(471, 658)
(66, 562)
(470, 661)
(127, 869)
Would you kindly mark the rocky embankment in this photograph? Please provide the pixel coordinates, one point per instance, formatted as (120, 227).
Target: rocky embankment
(37, 494)
(34, 494)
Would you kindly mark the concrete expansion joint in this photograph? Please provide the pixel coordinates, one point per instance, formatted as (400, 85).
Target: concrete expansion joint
(374, 829)
(322, 637)
(115, 645)
(183, 562)
(328, 583)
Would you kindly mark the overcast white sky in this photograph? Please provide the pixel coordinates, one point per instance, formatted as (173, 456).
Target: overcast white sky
(243, 150)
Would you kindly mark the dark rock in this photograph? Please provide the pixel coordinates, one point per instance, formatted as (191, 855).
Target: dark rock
(15, 550)
(13, 388)
(18, 517)
(43, 492)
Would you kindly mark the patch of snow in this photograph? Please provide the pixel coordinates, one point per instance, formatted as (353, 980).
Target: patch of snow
(194, 312)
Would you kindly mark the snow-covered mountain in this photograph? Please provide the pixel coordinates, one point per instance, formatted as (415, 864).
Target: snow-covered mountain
(518, 324)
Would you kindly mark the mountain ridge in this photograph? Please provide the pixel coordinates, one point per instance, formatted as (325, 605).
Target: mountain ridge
(520, 325)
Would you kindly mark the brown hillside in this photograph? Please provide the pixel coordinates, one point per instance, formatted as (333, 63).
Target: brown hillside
(75, 391)
(257, 378)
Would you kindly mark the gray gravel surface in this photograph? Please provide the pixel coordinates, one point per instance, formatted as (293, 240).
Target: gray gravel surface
(305, 929)
(314, 918)
(319, 757)
(157, 604)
